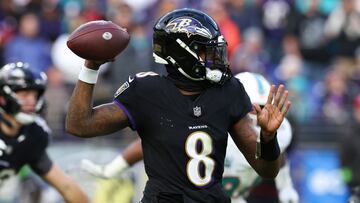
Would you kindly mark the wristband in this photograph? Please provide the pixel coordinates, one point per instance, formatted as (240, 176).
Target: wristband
(269, 151)
(88, 75)
(115, 167)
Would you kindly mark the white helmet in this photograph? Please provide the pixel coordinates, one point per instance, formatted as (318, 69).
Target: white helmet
(256, 86)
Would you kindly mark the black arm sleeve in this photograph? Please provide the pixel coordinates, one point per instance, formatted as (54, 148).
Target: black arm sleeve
(43, 165)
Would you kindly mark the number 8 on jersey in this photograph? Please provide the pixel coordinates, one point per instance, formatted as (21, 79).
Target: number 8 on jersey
(197, 159)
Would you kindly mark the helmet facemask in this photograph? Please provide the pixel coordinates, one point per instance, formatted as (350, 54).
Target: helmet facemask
(13, 106)
(213, 63)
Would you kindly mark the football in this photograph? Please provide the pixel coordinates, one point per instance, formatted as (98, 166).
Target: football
(98, 40)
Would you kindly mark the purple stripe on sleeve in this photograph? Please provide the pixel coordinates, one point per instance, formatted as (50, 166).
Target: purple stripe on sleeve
(131, 119)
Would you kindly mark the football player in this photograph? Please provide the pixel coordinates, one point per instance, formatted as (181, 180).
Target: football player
(24, 134)
(239, 177)
(184, 118)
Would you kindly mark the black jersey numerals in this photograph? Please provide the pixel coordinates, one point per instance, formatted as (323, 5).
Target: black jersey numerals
(201, 166)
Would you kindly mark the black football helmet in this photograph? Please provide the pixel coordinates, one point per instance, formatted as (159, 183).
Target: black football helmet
(19, 76)
(190, 41)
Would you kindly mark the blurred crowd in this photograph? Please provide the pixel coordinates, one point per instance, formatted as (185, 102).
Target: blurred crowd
(312, 46)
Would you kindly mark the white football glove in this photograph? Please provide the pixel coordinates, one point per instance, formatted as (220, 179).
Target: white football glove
(288, 195)
(284, 185)
(111, 170)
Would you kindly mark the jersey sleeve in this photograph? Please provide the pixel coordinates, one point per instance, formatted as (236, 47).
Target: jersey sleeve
(132, 95)
(241, 104)
(40, 161)
(125, 99)
(43, 165)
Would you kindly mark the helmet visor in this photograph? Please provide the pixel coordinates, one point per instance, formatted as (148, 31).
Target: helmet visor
(213, 53)
(216, 56)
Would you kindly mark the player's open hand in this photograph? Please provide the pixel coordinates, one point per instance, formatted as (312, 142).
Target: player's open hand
(270, 117)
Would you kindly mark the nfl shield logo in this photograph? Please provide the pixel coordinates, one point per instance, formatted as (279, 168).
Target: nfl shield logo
(197, 111)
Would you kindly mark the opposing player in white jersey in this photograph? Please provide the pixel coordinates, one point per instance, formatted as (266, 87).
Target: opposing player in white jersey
(239, 176)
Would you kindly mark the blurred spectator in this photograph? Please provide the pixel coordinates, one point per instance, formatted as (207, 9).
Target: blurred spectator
(28, 46)
(64, 59)
(64, 77)
(67, 63)
(137, 57)
(160, 8)
(70, 10)
(355, 74)
(50, 20)
(57, 98)
(165, 6)
(140, 5)
(336, 99)
(8, 8)
(8, 25)
(274, 14)
(343, 27)
(356, 112)
(308, 27)
(250, 55)
(228, 28)
(291, 72)
(244, 14)
(353, 79)
(142, 9)
(123, 16)
(31, 5)
(325, 6)
(91, 11)
(291, 64)
(350, 151)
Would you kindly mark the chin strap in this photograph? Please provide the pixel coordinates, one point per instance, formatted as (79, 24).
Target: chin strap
(13, 107)
(20, 117)
(25, 118)
(188, 76)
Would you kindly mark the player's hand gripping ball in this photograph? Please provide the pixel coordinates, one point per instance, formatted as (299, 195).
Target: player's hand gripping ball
(98, 40)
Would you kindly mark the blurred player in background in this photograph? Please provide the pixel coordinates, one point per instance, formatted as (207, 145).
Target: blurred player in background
(24, 134)
(184, 118)
(239, 177)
